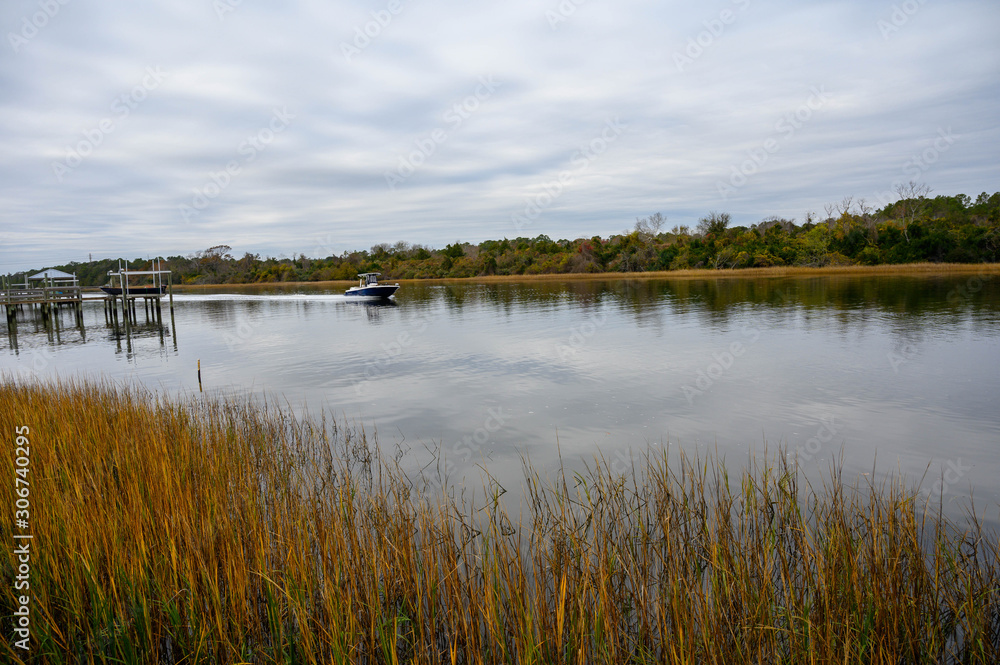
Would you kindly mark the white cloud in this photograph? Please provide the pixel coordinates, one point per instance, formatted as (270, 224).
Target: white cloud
(324, 176)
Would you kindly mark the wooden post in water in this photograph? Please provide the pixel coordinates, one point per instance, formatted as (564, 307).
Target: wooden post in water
(10, 307)
(55, 322)
(173, 328)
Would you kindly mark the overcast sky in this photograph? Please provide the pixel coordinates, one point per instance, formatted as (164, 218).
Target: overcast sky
(165, 127)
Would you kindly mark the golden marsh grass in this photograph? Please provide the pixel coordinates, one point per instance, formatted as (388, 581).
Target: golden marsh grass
(186, 531)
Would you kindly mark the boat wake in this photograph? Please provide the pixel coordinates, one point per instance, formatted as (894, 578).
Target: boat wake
(267, 297)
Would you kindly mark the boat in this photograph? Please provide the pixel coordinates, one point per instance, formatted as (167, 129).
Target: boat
(135, 290)
(369, 287)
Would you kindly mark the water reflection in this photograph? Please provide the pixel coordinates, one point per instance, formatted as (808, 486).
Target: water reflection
(718, 299)
(898, 370)
(373, 309)
(67, 327)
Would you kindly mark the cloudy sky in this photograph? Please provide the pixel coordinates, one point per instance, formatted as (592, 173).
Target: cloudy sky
(165, 127)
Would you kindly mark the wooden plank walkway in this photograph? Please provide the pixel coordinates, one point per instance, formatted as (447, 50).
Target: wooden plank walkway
(47, 299)
(50, 294)
(53, 296)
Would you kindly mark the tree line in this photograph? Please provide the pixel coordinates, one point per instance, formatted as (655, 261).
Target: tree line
(916, 228)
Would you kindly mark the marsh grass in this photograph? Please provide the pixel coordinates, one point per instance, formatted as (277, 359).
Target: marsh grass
(173, 531)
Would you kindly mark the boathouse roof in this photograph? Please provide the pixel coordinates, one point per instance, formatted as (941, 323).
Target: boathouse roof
(52, 273)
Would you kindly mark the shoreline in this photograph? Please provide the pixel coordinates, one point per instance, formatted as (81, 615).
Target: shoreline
(901, 269)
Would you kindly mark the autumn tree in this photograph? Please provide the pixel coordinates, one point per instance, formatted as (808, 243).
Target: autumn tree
(650, 227)
(715, 223)
(911, 203)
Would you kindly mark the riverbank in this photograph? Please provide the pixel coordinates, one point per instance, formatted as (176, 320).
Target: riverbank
(189, 530)
(908, 269)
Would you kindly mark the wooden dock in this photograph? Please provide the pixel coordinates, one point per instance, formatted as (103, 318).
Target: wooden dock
(49, 298)
(46, 298)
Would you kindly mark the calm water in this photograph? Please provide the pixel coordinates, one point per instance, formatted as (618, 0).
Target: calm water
(897, 374)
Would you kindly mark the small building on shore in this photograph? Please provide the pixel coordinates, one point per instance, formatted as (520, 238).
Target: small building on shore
(55, 277)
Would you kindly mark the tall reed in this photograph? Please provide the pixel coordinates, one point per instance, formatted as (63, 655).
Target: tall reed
(175, 531)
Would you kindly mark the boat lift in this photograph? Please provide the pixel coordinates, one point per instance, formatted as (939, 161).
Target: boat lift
(151, 294)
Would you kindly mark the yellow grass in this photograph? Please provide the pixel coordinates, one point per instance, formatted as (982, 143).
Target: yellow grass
(176, 531)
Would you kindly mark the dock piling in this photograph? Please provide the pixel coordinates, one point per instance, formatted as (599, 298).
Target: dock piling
(54, 290)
